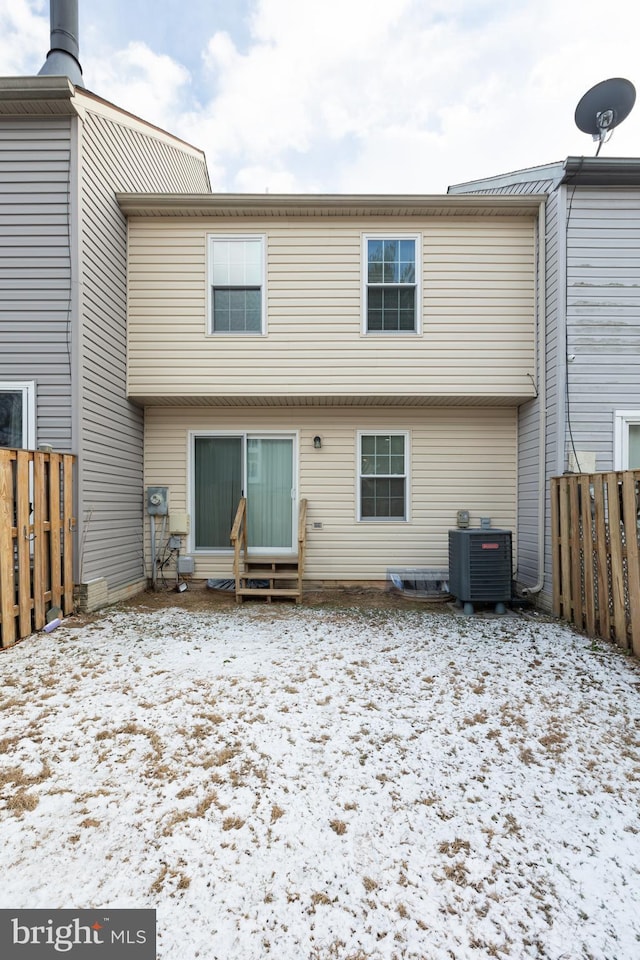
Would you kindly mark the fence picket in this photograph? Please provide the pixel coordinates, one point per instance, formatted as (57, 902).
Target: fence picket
(67, 532)
(574, 554)
(616, 563)
(588, 558)
(7, 594)
(631, 508)
(24, 480)
(565, 548)
(54, 530)
(556, 553)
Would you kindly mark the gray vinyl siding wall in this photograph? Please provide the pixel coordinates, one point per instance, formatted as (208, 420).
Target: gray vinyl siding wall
(527, 572)
(35, 268)
(603, 314)
(115, 157)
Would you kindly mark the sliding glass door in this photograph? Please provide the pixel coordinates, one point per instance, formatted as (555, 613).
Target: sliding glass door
(218, 485)
(260, 467)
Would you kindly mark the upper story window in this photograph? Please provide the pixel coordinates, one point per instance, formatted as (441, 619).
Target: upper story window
(392, 293)
(627, 440)
(17, 414)
(236, 284)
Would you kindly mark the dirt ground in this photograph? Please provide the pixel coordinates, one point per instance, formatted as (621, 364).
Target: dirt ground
(199, 597)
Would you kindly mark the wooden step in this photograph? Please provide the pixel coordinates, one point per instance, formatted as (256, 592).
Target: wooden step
(261, 574)
(268, 593)
(271, 562)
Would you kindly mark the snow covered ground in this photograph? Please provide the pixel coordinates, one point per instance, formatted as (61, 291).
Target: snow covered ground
(328, 784)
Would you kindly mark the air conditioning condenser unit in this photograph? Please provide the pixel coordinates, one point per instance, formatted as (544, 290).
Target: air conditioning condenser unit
(480, 567)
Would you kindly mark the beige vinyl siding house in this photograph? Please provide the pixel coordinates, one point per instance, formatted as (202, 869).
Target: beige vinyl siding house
(460, 457)
(441, 393)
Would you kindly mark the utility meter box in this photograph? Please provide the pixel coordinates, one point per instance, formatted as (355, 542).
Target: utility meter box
(157, 501)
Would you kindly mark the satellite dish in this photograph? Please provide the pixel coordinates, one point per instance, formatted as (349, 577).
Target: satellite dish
(604, 107)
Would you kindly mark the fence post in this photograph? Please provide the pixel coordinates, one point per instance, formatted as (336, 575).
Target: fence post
(23, 540)
(604, 627)
(7, 576)
(630, 507)
(588, 558)
(617, 575)
(556, 555)
(67, 513)
(54, 530)
(576, 568)
(565, 548)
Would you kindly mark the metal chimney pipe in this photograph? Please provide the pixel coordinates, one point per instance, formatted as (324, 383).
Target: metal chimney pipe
(62, 59)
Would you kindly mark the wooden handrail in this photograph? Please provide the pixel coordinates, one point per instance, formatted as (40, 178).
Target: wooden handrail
(237, 523)
(302, 540)
(302, 522)
(239, 541)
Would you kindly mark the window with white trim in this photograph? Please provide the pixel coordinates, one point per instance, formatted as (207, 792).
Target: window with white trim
(392, 288)
(236, 284)
(627, 440)
(17, 414)
(382, 476)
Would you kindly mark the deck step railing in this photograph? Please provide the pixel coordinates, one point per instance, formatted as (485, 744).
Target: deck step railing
(272, 577)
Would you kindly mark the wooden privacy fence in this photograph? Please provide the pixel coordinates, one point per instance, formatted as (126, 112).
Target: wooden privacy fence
(596, 555)
(36, 539)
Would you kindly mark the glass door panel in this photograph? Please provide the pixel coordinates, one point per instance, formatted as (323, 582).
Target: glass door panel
(218, 489)
(270, 493)
(634, 446)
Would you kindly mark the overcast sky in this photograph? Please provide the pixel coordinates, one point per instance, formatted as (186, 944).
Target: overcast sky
(381, 96)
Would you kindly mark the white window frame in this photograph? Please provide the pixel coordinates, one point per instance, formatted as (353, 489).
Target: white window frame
(405, 434)
(230, 238)
(28, 390)
(391, 235)
(622, 420)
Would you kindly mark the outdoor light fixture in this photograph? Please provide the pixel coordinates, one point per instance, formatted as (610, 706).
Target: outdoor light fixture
(317, 442)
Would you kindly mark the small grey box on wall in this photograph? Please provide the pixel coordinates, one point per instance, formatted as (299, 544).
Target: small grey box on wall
(157, 501)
